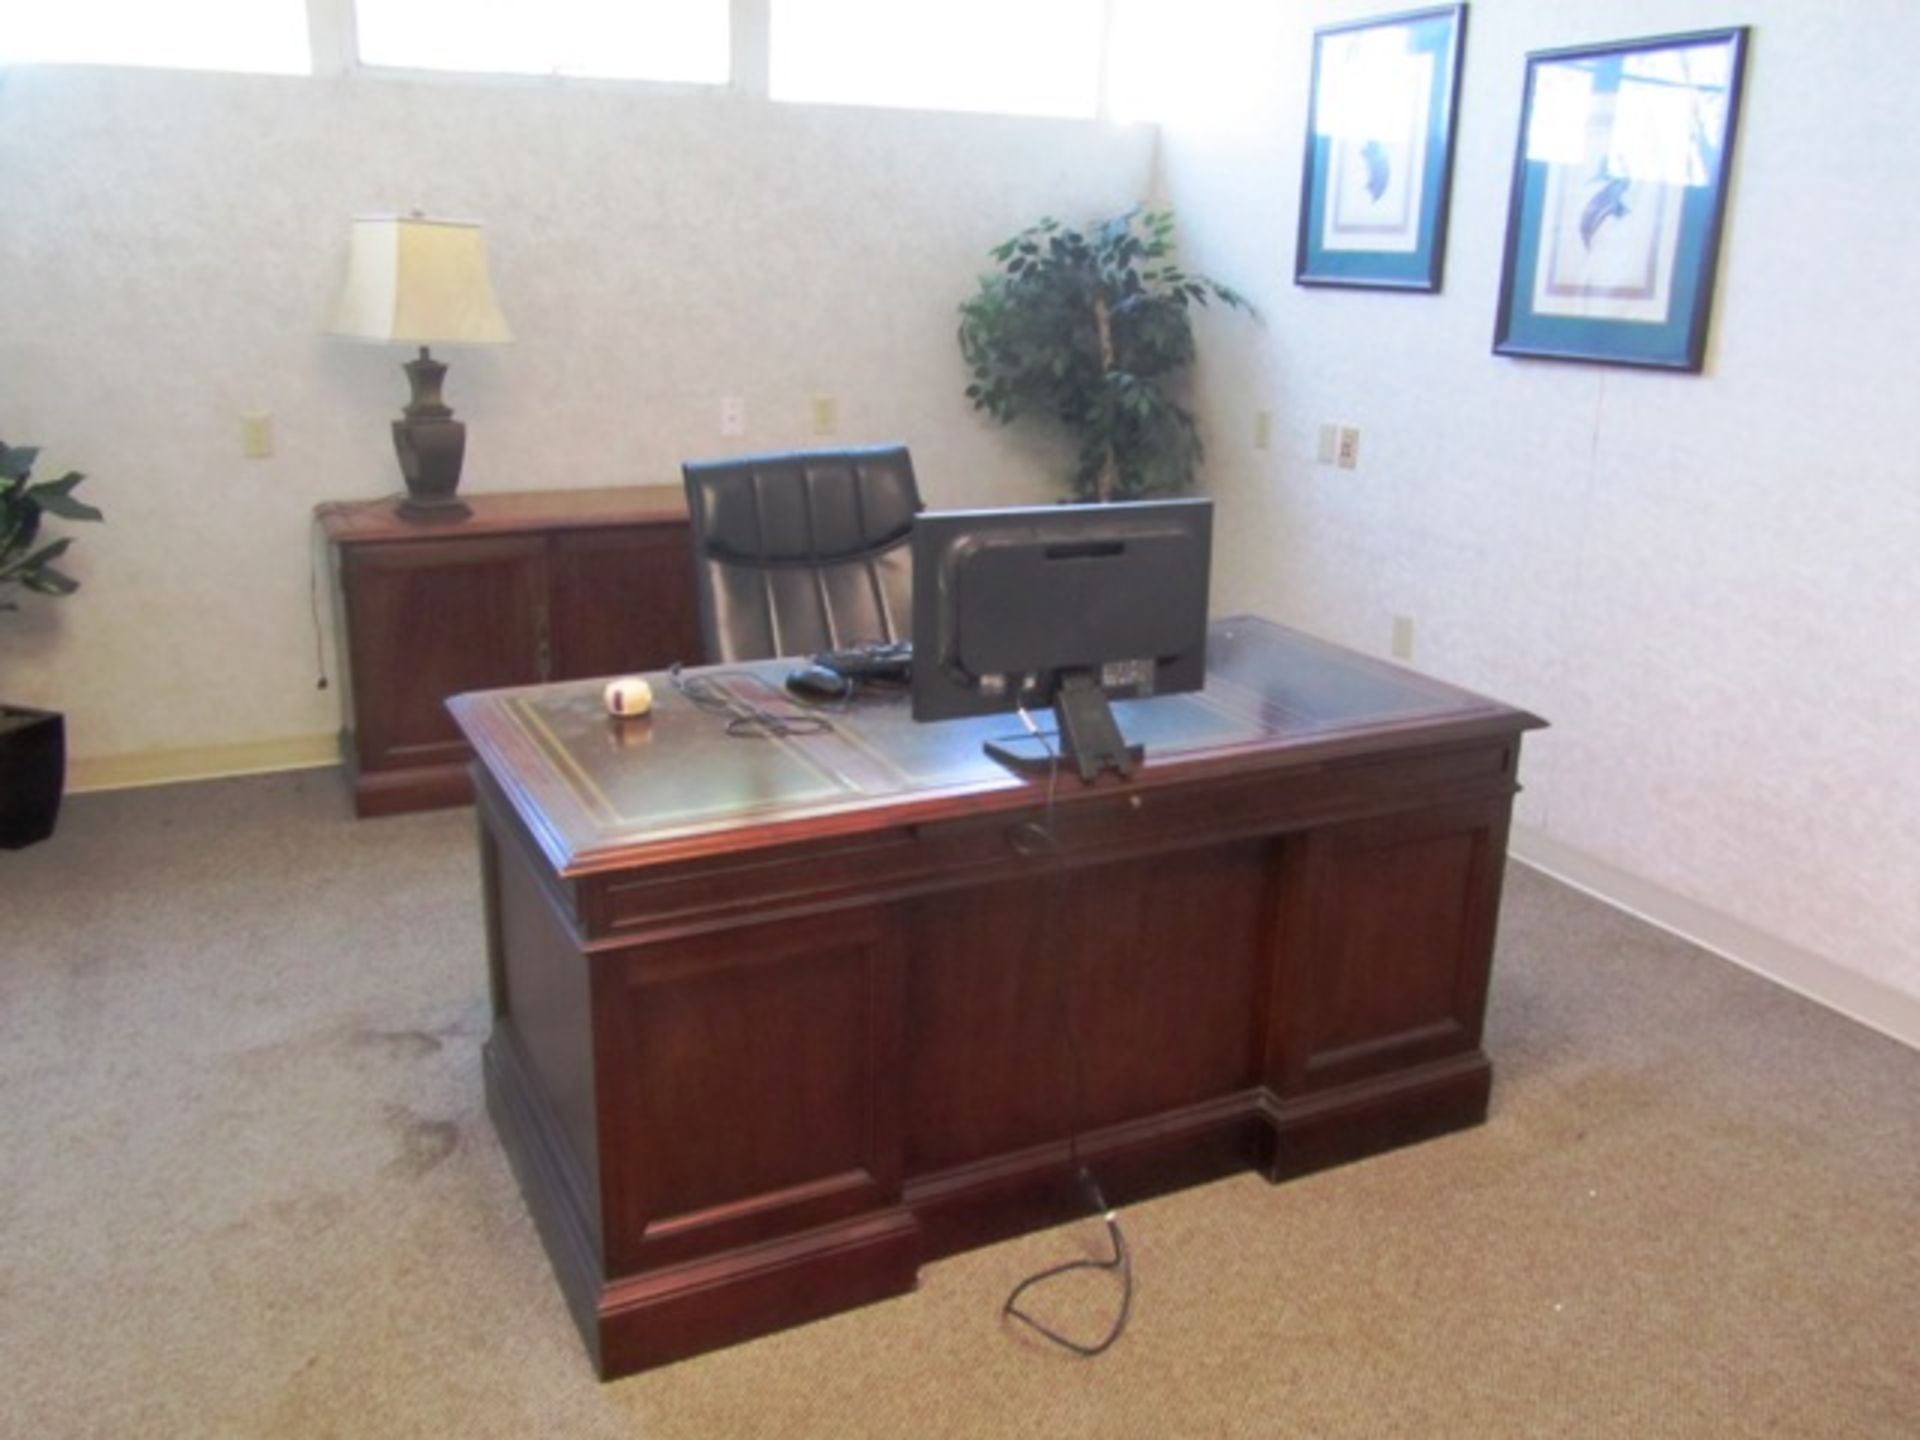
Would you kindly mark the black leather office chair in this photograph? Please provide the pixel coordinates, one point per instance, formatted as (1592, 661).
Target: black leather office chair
(802, 552)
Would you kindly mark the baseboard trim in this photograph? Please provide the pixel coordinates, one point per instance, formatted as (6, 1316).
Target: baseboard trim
(212, 762)
(1873, 1003)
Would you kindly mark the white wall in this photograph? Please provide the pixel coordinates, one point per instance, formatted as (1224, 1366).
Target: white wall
(1706, 583)
(170, 255)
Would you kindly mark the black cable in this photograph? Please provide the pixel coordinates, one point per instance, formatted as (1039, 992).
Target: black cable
(743, 721)
(313, 604)
(1122, 1259)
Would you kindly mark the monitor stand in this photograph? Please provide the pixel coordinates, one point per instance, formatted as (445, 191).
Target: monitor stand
(1089, 735)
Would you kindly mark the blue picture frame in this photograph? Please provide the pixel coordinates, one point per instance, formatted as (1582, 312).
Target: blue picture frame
(1619, 196)
(1379, 154)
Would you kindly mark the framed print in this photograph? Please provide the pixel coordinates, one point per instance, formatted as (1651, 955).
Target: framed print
(1619, 190)
(1373, 191)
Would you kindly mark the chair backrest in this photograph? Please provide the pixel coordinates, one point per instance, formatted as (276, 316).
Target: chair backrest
(802, 552)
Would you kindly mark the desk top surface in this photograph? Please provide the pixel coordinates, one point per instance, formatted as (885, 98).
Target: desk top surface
(596, 791)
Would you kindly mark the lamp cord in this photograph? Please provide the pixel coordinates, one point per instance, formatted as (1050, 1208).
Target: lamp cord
(314, 535)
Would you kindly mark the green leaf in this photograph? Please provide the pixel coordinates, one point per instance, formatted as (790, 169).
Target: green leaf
(51, 551)
(56, 498)
(63, 486)
(17, 464)
(45, 580)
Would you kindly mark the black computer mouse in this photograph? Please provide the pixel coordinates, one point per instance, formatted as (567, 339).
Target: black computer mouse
(818, 682)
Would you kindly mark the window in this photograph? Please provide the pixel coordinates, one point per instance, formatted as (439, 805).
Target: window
(682, 40)
(262, 36)
(1031, 57)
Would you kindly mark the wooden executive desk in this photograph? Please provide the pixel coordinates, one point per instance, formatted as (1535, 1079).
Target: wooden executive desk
(777, 1020)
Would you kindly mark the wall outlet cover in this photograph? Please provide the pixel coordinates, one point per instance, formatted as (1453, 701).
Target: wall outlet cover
(1349, 453)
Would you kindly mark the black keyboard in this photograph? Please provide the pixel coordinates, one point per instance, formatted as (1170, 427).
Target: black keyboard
(871, 662)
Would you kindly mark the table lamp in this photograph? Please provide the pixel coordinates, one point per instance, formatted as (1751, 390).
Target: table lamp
(420, 281)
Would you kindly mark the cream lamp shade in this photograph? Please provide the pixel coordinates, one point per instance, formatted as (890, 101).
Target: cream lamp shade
(419, 281)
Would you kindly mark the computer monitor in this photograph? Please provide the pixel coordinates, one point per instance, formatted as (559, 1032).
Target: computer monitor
(1061, 605)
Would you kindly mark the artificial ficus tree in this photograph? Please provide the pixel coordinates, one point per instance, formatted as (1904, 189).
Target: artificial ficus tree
(1086, 327)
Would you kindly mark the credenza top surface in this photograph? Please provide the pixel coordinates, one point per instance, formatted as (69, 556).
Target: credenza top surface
(364, 522)
(597, 792)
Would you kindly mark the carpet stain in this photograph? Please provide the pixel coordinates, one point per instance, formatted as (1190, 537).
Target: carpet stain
(1605, 1097)
(424, 1143)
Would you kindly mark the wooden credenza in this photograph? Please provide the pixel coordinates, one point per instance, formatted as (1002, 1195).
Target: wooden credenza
(776, 1021)
(531, 587)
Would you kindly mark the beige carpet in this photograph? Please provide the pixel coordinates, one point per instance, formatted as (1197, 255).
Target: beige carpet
(249, 1189)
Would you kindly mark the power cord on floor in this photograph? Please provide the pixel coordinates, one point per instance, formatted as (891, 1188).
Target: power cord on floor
(1121, 1261)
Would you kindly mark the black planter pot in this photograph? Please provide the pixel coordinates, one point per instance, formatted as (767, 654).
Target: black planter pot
(33, 772)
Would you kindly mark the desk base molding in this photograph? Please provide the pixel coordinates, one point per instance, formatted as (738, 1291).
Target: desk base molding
(1007, 1195)
(1331, 1127)
(701, 1305)
(400, 792)
(637, 1322)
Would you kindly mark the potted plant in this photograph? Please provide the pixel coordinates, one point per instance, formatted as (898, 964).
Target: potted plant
(1086, 327)
(33, 751)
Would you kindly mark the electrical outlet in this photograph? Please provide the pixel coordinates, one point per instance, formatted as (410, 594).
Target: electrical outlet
(1348, 455)
(1263, 429)
(256, 435)
(1329, 444)
(1403, 637)
(733, 415)
(826, 415)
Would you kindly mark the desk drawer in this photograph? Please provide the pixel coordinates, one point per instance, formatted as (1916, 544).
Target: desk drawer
(1156, 813)
(1113, 821)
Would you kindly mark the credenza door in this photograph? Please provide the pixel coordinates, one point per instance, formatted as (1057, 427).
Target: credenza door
(435, 618)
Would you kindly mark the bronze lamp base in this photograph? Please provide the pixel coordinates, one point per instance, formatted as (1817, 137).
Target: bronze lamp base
(431, 444)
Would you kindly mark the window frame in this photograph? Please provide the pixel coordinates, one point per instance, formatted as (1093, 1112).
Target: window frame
(333, 52)
(344, 42)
